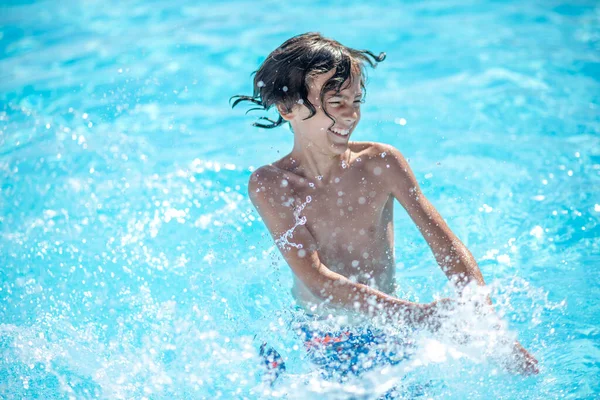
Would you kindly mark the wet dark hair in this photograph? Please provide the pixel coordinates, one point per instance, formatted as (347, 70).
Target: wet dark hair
(283, 78)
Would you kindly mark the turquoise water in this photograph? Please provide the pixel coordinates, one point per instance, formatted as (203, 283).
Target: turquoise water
(133, 265)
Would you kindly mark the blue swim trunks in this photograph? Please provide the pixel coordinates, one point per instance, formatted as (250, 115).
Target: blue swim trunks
(340, 353)
(350, 352)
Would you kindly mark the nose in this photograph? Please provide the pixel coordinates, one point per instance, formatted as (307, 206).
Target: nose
(350, 115)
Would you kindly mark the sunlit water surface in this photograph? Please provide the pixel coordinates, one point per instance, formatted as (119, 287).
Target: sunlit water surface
(133, 265)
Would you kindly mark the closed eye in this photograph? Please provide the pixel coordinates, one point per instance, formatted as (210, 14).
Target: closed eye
(337, 103)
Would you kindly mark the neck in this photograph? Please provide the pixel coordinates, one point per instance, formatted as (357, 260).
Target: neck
(314, 162)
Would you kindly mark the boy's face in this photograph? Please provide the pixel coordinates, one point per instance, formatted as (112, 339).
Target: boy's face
(344, 107)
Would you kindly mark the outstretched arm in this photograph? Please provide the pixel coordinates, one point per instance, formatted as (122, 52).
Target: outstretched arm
(455, 260)
(451, 254)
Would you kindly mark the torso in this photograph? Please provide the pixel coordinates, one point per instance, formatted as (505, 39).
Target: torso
(351, 219)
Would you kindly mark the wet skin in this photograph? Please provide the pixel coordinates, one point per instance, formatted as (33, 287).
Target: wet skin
(350, 216)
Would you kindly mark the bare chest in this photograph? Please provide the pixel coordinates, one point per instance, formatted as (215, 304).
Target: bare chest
(351, 223)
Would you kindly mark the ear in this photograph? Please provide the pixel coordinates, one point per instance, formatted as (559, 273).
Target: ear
(286, 114)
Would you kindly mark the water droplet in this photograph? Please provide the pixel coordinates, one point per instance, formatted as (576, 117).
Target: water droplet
(285, 88)
(355, 263)
(260, 84)
(377, 171)
(486, 208)
(503, 259)
(537, 232)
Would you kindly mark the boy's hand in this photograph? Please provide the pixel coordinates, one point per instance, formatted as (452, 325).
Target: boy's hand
(522, 361)
(435, 312)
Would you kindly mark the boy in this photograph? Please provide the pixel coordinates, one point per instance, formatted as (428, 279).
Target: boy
(329, 203)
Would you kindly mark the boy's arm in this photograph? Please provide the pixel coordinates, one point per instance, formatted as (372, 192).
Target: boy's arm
(451, 254)
(264, 191)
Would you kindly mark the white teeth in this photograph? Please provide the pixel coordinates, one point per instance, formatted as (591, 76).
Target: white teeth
(342, 132)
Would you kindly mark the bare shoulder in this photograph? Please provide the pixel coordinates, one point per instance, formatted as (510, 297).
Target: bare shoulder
(365, 148)
(265, 174)
(263, 181)
(383, 156)
(269, 191)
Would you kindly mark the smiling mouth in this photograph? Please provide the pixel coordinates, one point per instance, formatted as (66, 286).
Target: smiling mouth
(340, 132)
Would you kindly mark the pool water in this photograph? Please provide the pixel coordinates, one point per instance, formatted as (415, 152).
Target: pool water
(134, 266)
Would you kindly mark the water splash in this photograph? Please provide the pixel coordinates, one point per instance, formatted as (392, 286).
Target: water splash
(283, 242)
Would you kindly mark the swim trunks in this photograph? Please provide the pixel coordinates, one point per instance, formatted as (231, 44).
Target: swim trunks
(274, 365)
(342, 352)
